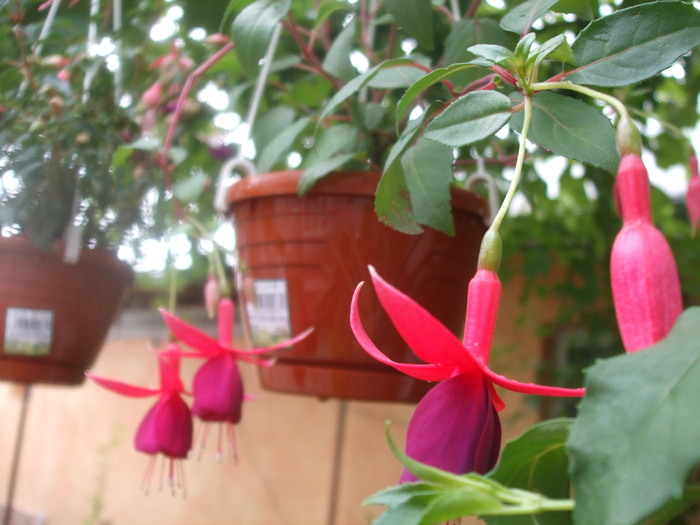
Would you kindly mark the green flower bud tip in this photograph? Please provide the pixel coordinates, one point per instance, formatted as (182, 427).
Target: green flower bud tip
(490, 252)
(629, 141)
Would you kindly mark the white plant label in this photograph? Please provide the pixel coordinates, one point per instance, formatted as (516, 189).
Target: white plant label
(28, 331)
(268, 312)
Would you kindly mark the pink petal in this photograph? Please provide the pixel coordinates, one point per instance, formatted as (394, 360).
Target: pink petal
(191, 336)
(429, 339)
(124, 389)
(278, 346)
(166, 428)
(174, 427)
(455, 428)
(532, 388)
(218, 390)
(428, 372)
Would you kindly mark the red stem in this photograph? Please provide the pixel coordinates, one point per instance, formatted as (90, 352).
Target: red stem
(191, 79)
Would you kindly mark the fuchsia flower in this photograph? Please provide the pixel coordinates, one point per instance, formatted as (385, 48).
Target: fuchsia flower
(217, 387)
(455, 426)
(645, 285)
(692, 198)
(167, 427)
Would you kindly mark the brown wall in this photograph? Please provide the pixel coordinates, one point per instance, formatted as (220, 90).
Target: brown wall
(78, 465)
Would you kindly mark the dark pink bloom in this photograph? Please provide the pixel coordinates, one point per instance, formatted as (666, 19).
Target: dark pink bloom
(217, 387)
(693, 195)
(167, 427)
(455, 426)
(645, 285)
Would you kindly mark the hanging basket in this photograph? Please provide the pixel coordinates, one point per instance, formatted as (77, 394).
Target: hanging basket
(54, 317)
(301, 259)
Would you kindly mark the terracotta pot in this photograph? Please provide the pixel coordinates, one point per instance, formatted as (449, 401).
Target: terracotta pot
(301, 259)
(54, 317)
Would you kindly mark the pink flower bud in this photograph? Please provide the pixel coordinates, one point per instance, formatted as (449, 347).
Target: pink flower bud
(692, 198)
(645, 284)
(212, 295)
(151, 98)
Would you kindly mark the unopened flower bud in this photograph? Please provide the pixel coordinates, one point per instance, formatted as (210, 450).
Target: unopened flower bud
(692, 197)
(152, 97)
(56, 105)
(56, 61)
(212, 295)
(645, 284)
(82, 139)
(217, 39)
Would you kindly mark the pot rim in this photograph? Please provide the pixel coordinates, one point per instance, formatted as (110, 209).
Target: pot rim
(102, 259)
(342, 182)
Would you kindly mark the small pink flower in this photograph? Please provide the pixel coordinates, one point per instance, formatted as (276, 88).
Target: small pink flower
(217, 387)
(167, 427)
(693, 195)
(645, 285)
(455, 426)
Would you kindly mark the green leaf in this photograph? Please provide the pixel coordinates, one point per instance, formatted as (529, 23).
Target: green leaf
(470, 118)
(391, 202)
(314, 172)
(536, 461)
(569, 127)
(554, 45)
(633, 44)
(420, 85)
(189, 190)
(415, 17)
(583, 9)
(635, 440)
(280, 144)
(337, 60)
(520, 18)
(427, 169)
(253, 28)
(326, 9)
(357, 83)
(492, 53)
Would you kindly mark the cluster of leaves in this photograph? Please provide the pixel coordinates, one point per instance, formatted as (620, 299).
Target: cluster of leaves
(72, 126)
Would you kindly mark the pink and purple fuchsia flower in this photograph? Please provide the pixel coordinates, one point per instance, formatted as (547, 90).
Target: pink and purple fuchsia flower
(217, 387)
(167, 427)
(456, 426)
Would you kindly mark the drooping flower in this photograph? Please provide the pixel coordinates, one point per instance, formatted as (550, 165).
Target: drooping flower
(217, 386)
(692, 197)
(455, 426)
(645, 284)
(167, 427)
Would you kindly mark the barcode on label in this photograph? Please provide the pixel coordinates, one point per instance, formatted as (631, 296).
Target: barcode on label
(28, 331)
(268, 313)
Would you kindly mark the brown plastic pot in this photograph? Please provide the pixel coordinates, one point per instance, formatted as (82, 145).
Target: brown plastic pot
(301, 259)
(54, 317)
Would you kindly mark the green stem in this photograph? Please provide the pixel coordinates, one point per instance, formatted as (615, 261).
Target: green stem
(517, 175)
(215, 258)
(608, 99)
